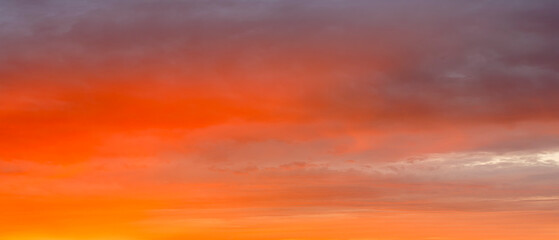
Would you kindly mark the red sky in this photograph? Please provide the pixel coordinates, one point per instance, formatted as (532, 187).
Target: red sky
(279, 120)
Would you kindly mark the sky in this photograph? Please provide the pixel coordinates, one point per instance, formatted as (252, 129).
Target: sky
(279, 120)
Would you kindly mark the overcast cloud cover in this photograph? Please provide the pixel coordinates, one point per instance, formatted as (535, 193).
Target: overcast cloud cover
(136, 119)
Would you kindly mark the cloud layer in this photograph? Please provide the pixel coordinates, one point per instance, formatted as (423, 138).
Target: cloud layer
(277, 119)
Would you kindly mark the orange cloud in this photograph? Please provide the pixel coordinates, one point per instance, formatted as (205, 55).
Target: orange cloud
(140, 120)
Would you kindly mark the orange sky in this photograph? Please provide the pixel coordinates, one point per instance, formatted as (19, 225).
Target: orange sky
(279, 120)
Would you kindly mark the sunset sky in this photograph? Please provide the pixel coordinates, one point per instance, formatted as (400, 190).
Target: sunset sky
(279, 120)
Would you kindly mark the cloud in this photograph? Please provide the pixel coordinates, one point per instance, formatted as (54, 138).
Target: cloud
(266, 110)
